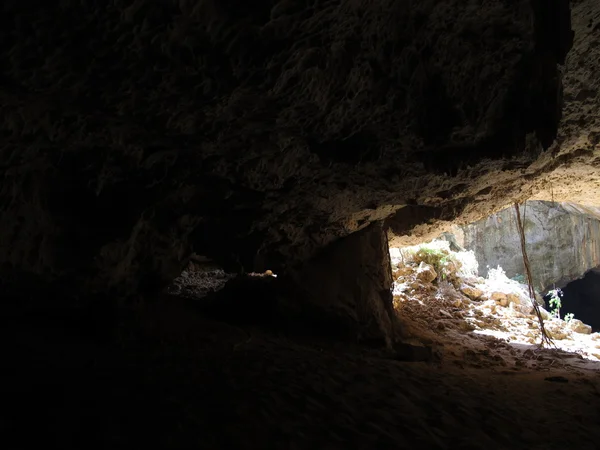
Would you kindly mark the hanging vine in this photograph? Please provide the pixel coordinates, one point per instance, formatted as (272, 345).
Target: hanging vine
(546, 340)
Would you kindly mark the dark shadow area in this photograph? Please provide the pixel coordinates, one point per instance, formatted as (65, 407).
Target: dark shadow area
(266, 302)
(356, 148)
(174, 377)
(582, 298)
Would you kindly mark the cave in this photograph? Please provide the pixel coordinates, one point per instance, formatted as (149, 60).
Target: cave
(199, 200)
(580, 298)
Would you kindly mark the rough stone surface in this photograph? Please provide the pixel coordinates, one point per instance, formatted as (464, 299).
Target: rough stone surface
(578, 326)
(426, 273)
(557, 329)
(472, 292)
(134, 133)
(519, 303)
(356, 293)
(567, 173)
(562, 242)
(499, 297)
(544, 313)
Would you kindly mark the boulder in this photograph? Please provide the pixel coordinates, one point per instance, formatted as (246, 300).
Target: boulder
(545, 314)
(402, 271)
(500, 298)
(489, 305)
(426, 273)
(472, 292)
(539, 299)
(344, 292)
(520, 303)
(578, 326)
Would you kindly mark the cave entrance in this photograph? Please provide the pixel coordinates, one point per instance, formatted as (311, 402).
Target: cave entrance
(441, 299)
(468, 285)
(581, 298)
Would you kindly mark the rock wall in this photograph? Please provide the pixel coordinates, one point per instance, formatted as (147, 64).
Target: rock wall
(344, 292)
(134, 133)
(351, 282)
(563, 242)
(567, 172)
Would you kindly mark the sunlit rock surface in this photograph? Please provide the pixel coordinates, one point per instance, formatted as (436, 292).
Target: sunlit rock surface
(562, 242)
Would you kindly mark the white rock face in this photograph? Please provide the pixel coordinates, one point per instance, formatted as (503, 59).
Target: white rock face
(550, 231)
(500, 297)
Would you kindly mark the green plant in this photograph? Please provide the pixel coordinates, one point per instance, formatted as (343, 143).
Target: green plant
(569, 317)
(436, 258)
(555, 302)
(437, 255)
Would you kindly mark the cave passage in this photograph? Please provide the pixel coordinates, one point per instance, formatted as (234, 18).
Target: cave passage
(582, 298)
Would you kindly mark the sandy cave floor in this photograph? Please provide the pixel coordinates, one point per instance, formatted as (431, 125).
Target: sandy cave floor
(180, 380)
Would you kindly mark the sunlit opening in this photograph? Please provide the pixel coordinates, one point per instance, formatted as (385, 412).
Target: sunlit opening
(444, 297)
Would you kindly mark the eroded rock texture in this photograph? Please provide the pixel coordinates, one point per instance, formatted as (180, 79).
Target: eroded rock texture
(562, 242)
(136, 132)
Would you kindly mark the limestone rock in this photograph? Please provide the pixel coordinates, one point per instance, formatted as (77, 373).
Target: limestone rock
(539, 299)
(426, 273)
(346, 293)
(551, 230)
(556, 329)
(402, 271)
(514, 310)
(513, 299)
(578, 326)
(545, 314)
(467, 326)
(500, 298)
(519, 303)
(490, 305)
(472, 292)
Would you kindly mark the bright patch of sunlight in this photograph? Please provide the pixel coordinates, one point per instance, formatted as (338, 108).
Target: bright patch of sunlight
(399, 288)
(497, 281)
(437, 290)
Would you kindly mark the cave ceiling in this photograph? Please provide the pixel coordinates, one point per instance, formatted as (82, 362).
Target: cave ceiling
(135, 132)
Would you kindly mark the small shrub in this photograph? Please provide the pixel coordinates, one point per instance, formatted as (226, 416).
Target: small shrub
(555, 302)
(438, 255)
(569, 317)
(435, 258)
